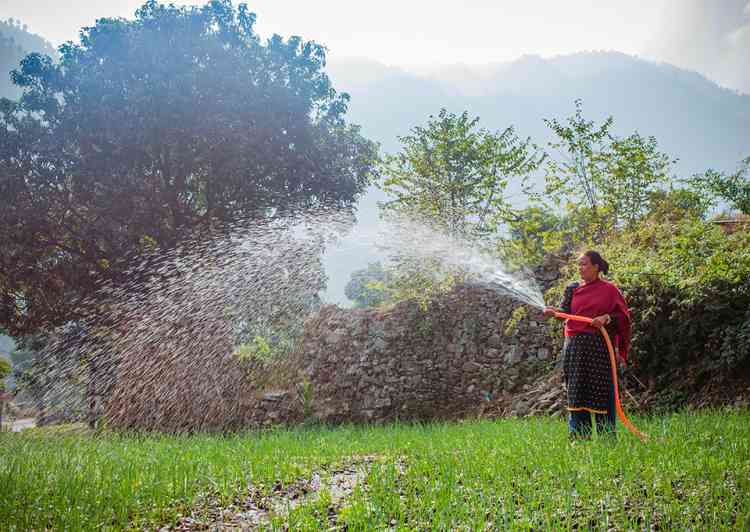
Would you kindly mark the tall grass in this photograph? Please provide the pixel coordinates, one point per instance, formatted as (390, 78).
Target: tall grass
(507, 474)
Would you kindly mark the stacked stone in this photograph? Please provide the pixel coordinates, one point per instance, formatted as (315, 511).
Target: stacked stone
(445, 361)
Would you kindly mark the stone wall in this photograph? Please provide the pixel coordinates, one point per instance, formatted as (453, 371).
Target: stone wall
(449, 360)
(464, 355)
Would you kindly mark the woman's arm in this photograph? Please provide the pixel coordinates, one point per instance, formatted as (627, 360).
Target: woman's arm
(565, 304)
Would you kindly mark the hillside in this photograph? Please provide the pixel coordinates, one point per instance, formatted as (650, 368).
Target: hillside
(694, 119)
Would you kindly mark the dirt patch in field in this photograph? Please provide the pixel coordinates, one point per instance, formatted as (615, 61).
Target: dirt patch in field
(251, 509)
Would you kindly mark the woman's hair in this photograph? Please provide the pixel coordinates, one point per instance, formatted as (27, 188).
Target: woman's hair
(597, 259)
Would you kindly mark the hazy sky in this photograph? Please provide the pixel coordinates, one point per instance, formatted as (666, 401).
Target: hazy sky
(711, 36)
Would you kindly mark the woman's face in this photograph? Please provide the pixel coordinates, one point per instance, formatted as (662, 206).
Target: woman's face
(588, 272)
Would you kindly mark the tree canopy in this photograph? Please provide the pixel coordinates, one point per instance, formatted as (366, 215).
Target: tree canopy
(153, 126)
(454, 174)
(609, 177)
(595, 185)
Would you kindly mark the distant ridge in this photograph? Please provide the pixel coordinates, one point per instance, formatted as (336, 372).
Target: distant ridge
(693, 118)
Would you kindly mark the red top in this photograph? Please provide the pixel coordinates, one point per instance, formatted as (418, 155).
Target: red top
(595, 299)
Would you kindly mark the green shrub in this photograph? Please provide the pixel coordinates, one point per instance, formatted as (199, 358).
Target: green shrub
(688, 286)
(5, 370)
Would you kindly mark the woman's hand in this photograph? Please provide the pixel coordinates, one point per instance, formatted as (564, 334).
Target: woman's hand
(601, 321)
(549, 312)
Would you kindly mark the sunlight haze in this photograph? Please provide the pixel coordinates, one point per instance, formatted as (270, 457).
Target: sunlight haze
(712, 38)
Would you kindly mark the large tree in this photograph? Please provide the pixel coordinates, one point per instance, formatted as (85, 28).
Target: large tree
(596, 184)
(153, 126)
(450, 177)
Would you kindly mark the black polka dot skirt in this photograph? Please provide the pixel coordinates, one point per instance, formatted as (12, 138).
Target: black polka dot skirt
(587, 372)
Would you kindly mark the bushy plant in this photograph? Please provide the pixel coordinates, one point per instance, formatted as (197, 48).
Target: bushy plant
(5, 370)
(733, 189)
(421, 283)
(688, 285)
(366, 287)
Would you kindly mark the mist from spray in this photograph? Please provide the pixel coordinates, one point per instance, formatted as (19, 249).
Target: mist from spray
(403, 238)
(180, 346)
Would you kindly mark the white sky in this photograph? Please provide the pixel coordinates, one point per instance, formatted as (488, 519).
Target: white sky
(438, 32)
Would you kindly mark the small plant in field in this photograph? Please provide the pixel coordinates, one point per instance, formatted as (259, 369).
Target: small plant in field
(5, 370)
(305, 396)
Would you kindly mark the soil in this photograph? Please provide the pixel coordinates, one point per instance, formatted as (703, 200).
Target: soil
(250, 509)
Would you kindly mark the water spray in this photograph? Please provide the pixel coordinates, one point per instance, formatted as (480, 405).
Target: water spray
(618, 406)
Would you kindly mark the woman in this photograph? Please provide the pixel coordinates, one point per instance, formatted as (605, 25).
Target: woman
(586, 364)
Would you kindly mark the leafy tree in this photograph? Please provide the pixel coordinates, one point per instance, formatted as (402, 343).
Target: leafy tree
(451, 177)
(10, 55)
(610, 178)
(733, 188)
(23, 38)
(574, 173)
(454, 174)
(533, 232)
(595, 185)
(367, 287)
(152, 127)
(634, 170)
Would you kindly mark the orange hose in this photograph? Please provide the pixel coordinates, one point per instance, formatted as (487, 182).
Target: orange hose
(618, 406)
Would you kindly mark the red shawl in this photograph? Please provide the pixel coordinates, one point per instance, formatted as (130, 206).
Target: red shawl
(598, 298)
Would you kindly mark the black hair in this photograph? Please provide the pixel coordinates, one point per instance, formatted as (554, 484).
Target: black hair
(597, 260)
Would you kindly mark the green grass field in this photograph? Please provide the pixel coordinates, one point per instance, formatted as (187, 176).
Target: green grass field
(505, 474)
